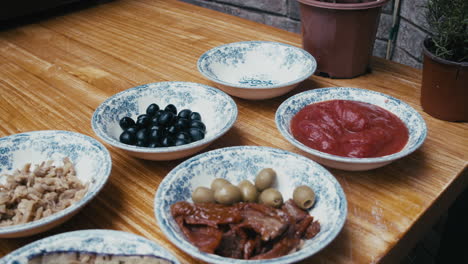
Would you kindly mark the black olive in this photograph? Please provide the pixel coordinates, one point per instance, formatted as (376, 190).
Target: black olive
(166, 118)
(183, 135)
(185, 113)
(141, 143)
(127, 138)
(126, 122)
(167, 141)
(158, 113)
(156, 127)
(143, 121)
(132, 129)
(142, 135)
(179, 142)
(152, 109)
(196, 133)
(154, 120)
(142, 116)
(195, 116)
(154, 145)
(156, 133)
(198, 124)
(171, 108)
(173, 129)
(183, 123)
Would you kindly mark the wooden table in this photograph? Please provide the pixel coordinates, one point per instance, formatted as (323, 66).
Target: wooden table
(54, 73)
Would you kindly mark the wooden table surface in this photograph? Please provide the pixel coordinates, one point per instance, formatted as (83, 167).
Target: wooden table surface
(54, 73)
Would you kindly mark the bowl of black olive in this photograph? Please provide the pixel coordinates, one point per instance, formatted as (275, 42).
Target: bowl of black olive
(165, 120)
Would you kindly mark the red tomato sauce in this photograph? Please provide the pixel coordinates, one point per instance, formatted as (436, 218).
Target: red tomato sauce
(349, 129)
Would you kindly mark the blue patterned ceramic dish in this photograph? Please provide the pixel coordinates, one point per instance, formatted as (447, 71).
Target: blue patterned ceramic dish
(94, 241)
(412, 119)
(256, 69)
(91, 159)
(218, 111)
(244, 162)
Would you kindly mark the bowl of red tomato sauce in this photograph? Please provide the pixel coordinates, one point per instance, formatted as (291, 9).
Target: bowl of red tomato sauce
(350, 128)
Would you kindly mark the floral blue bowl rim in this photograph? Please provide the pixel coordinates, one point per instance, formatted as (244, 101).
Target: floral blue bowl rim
(415, 123)
(306, 54)
(97, 127)
(15, 141)
(331, 200)
(99, 241)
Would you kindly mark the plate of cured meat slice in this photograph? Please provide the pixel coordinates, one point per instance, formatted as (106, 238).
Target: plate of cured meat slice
(249, 231)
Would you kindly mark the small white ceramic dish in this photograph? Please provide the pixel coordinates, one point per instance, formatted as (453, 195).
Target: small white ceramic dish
(218, 111)
(412, 119)
(91, 241)
(256, 69)
(91, 159)
(244, 162)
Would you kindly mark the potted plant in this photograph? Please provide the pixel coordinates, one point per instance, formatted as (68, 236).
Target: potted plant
(444, 89)
(340, 34)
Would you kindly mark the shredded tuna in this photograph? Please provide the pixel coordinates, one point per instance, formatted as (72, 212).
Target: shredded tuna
(29, 195)
(76, 257)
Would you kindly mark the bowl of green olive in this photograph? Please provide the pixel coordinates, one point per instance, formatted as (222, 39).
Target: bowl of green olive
(236, 190)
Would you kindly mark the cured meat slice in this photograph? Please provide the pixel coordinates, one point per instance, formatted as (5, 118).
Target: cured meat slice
(233, 243)
(265, 220)
(252, 246)
(306, 226)
(206, 238)
(283, 247)
(312, 230)
(206, 214)
(293, 210)
(285, 244)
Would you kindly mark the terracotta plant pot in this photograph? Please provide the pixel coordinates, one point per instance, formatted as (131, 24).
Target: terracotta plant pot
(340, 35)
(444, 89)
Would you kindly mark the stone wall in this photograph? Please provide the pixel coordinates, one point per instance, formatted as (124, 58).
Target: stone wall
(285, 14)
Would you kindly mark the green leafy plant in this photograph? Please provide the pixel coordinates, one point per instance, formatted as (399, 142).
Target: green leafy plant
(448, 21)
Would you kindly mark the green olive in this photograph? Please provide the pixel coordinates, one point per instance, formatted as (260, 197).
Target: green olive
(248, 191)
(265, 179)
(227, 194)
(271, 197)
(203, 195)
(304, 197)
(218, 183)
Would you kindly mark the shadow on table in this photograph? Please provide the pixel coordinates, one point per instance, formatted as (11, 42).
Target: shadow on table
(21, 12)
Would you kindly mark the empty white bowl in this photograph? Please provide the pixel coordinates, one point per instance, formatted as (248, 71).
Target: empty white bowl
(91, 160)
(411, 118)
(217, 109)
(244, 162)
(256, 69)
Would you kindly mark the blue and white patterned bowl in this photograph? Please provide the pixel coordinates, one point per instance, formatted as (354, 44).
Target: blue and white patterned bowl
(244, 162)
(256, 69)
(412, 119)
(218, 111)
(91, 159)
(94, 241)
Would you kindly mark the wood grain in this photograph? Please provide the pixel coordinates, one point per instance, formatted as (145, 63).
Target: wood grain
(55, 72)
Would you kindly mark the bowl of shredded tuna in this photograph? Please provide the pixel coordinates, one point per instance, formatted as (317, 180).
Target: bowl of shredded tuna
(46, 177)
